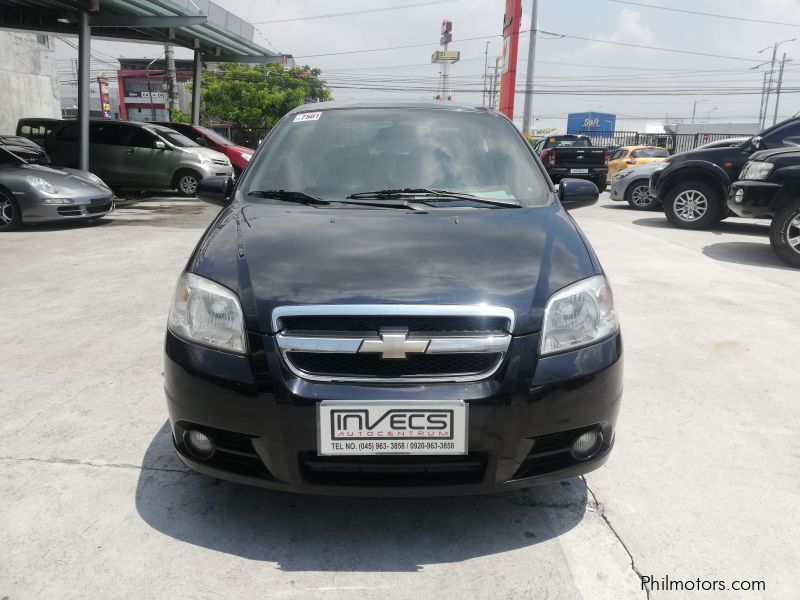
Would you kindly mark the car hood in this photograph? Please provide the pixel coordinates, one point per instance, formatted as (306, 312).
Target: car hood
(276, 254)
(776, 153)
(65, 179)
(714, 155)
(205, 152)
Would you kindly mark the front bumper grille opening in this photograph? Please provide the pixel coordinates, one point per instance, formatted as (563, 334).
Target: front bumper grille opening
(69, 211)
(234, 451)
(98, 208)
(373, 366)
(551, 453)
(393, 471)
(415, 324)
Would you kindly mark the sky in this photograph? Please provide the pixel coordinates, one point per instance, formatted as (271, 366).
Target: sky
(571, 75)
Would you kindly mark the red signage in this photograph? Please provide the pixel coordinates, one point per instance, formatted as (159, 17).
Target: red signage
(508, 79)
(105, 99)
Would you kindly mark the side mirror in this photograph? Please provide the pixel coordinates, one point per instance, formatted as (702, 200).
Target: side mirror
(159, 145)
(756, 142)
(216, 189)
(576, 193)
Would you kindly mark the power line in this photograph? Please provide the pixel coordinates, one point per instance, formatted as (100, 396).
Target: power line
(355, 12)
(706, 14)
(423, 45)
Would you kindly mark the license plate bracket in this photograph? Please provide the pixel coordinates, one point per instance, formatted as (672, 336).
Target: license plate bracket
(368, 428)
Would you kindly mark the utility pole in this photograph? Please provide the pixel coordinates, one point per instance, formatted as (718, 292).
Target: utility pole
(527, 110)
(771, 73)
(778, 90)
(694, 108)
(495, 82)
(172, 82)
(485, 74)
(761, 105)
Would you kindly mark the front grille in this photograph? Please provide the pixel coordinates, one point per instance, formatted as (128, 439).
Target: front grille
(334, 364)
(98, 208)
(218, 161)
(69, 211)
(393, 471)
(415, 324)
(388, 343)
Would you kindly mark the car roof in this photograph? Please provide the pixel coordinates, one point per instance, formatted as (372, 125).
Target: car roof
(389, 103)
(641, 147)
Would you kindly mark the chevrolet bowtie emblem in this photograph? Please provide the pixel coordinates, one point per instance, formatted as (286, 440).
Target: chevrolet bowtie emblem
(394, 343)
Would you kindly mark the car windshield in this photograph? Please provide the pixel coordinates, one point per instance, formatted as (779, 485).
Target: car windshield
(215, 137)
(175, 138)
(333, 154)
(21, 155)
(651, 153)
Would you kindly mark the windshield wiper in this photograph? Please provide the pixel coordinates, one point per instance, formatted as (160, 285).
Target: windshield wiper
(289, 196)
(440, 195)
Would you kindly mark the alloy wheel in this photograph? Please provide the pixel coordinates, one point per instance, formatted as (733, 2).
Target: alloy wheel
(188, 184)
(7, 215)
(690, 205)
(640, 195)
(793, 234)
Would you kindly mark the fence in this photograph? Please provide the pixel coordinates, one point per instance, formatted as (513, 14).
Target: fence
(674, 142)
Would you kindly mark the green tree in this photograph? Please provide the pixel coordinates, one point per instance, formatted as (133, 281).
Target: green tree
(257, 96)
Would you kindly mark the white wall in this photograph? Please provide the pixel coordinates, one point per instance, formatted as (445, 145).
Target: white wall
(28, 80)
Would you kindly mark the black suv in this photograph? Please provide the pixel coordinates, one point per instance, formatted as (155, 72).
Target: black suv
(693, 186)
(769, 188)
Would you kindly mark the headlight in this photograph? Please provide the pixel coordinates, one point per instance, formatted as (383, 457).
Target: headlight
(578, 315)
(205, 160)
(207, 313)
(42, 185)
(756, 170)
(622, 174)
(661, 166)
(95, 179)
(246, 156)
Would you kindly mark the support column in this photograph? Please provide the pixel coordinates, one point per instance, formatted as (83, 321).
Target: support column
(196, 88)
(84, 74)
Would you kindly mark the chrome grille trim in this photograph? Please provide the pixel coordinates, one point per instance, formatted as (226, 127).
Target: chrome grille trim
(342, 343)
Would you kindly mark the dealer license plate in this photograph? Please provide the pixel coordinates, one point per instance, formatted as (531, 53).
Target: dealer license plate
(579, 171)
(379, 427)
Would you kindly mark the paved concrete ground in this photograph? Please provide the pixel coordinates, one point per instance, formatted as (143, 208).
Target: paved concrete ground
(702, 484)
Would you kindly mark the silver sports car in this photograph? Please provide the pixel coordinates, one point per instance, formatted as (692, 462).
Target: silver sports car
(36, 193)
(632, 186)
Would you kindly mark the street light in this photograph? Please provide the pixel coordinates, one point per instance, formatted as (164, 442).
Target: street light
(694, 108)
(708, 118)
(149, 89)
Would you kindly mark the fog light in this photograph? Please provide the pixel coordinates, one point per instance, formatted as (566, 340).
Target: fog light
(587, 444)
(57, 201)
(738, 196)
(199, 444)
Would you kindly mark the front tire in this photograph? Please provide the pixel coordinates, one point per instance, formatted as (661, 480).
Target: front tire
(784, 234)
(638, 195)
(186, 183)
(10, 214)
(693, 204)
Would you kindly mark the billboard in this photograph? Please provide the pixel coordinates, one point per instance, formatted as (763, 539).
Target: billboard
(590, 121)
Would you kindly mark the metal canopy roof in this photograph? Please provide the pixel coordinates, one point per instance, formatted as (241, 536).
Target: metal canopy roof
(218, 34)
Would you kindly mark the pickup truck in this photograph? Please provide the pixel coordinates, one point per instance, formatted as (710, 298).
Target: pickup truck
(573, 156)
(769, 188)
(693, 186)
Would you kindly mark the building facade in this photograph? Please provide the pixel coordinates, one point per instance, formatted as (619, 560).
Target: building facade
(142, 88)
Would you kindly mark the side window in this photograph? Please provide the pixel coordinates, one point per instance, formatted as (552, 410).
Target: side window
(141, 139)
(25, 130)
(538, 146)
(785, 137)
(104, 133)
(68, 133)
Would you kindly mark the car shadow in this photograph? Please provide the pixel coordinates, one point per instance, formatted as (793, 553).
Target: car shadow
(739, 227)
(746, 253)
(316, 533)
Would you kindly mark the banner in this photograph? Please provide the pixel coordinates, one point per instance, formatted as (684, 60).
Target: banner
(508, 79)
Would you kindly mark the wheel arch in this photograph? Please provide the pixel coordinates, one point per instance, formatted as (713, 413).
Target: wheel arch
(715, 177)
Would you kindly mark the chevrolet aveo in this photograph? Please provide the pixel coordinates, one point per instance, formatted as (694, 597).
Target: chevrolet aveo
(393, 302)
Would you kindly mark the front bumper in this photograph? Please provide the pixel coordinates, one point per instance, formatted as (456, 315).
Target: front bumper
(82, 207)
(755, 199)
(520, 421)
(214, 170)
(618, 187)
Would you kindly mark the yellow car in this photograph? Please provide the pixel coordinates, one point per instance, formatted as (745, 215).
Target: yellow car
(628, 156)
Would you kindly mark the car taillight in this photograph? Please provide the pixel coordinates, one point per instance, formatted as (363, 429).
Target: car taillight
(605, 158)
(548, 157)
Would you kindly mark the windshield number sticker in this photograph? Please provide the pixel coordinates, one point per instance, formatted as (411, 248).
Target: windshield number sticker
(307, 117)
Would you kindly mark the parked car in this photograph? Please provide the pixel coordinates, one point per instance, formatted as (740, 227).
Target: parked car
(36, 193)
(628, 156)
(397, 320)
(693, 186)
(36, 129)
(139, 155)
(632, 185)
(769, 188)
(573, 156)
(725, 143)
(238, 155)
(31, 152)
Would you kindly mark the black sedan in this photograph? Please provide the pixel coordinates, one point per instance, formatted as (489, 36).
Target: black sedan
(394, 302)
